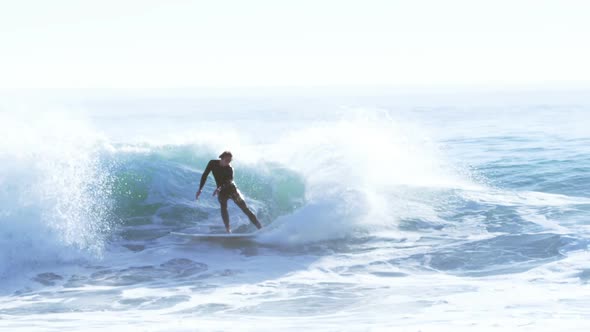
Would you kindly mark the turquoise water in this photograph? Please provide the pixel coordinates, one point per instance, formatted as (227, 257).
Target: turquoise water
(377, 214)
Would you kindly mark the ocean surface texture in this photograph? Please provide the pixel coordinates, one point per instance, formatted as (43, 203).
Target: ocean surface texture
(378, 215)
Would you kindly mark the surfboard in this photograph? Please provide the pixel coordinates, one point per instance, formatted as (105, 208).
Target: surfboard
(243, 236)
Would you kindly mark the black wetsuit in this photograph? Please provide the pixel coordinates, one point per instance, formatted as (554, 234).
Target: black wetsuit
(224, 178)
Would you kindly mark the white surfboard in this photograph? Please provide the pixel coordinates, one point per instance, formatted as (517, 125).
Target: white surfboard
(216, 236)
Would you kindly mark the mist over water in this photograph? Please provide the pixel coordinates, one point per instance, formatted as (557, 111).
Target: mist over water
(377, 215)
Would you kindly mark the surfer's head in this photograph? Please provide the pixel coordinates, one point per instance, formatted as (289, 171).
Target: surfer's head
(225, 157)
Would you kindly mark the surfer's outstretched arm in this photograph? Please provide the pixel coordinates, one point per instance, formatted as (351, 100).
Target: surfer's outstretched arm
(204, 178)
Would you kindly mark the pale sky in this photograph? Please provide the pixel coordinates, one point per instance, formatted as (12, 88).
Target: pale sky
(274, 43)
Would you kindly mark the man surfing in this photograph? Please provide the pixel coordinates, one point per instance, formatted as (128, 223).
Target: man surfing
(226, 188)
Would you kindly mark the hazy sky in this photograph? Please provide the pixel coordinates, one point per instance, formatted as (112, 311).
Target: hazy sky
(249, 43)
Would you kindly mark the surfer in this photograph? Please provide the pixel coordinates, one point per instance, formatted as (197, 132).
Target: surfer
(226, 188)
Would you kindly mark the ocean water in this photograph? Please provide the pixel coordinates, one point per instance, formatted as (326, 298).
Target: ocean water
(378, 215)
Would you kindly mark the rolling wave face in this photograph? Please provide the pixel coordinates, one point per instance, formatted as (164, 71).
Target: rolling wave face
(156, 186)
